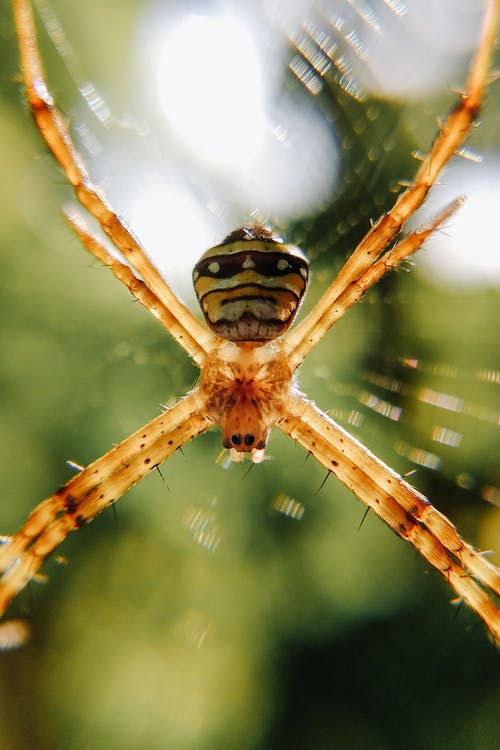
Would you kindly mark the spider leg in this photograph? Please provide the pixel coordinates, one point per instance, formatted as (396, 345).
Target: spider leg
(356, 288)
(196, 339)
(95, 488)
(408, 513)
(123, 273)
(452, 133)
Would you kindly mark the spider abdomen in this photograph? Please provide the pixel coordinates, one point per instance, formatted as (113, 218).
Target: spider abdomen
(250, 287)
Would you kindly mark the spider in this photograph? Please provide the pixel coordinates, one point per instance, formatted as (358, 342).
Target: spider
(250, 288)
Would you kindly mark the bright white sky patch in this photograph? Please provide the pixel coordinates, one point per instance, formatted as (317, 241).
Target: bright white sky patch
(218, 80)
(174, 228)
(211, 89)
(467, 250)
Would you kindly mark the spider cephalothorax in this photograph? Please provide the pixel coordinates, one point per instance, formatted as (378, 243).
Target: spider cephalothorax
(250, 288)
(246, 390)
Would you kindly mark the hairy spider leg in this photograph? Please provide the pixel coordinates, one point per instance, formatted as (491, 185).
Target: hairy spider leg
(405, 510)
(94, 489)
(196, 339)
(450, 136)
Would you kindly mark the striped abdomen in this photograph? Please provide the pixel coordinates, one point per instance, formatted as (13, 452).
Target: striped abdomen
(251, 285)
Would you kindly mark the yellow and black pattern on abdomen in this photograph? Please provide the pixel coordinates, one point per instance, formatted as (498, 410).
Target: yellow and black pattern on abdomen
(250, 288)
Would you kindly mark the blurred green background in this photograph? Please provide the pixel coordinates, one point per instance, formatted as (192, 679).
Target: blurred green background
(198, 615)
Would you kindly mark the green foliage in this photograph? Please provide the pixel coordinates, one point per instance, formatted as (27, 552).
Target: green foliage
(197, 616)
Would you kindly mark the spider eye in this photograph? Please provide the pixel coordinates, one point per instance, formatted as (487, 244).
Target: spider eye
(249, 439)
(236, 439)
(251, 286)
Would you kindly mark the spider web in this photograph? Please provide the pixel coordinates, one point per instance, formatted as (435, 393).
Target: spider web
(187, 614)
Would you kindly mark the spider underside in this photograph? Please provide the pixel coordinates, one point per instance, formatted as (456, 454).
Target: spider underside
(246, 386)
